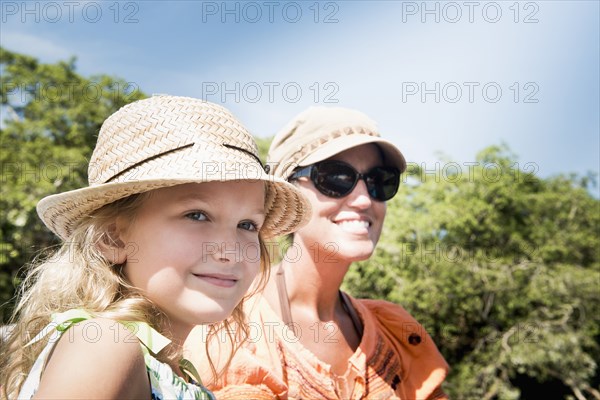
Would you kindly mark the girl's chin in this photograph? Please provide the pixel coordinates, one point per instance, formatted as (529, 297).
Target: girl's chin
(207, 317)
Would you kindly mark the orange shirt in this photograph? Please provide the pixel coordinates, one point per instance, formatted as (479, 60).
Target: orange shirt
(396, 359)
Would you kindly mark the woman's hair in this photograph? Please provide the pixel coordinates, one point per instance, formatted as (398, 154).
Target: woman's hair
(78, 275)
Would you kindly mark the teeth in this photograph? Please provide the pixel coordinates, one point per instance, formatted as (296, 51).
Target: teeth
(354, 223)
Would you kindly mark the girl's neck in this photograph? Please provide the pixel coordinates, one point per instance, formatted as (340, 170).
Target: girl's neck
(178, 333)
(176, 348)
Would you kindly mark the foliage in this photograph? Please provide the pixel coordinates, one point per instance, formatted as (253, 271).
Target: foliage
(51, 117)
(503, 269)
(263, 148)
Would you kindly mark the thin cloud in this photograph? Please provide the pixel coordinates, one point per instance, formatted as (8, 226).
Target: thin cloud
(42, 48)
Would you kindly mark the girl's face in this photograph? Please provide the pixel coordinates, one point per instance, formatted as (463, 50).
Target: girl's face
(193, 249)
(347, 228)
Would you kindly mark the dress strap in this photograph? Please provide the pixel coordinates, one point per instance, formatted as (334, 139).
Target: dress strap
(284, 301)
(187, 368)
(356, 321)
(61, 322)
(148, 337)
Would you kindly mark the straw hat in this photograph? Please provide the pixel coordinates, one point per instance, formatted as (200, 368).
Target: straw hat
(165, 141)
(321, 132)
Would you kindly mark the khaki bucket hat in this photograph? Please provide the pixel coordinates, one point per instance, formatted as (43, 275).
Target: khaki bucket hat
(321, 132)
(165, 141)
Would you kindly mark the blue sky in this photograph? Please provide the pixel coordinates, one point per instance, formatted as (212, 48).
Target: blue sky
(442, 79)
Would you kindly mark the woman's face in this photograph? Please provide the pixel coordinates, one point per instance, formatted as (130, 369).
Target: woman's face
(194, 249)
(347, 228)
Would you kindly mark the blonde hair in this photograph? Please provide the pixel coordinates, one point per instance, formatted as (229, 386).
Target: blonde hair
(78, 275)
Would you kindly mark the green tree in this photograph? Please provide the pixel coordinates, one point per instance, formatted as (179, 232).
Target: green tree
(50, 120)
(263, 147)
(503, 269)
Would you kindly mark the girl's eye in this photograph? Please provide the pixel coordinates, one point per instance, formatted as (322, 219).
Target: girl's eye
(248, 225)
(197, 216)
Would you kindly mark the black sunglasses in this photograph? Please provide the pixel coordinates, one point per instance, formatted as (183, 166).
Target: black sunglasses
(338, 179)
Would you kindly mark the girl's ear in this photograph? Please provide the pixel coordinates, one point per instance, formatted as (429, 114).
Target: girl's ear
(112, 246)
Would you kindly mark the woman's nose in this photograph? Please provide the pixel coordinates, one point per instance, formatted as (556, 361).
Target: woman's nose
(359, 197)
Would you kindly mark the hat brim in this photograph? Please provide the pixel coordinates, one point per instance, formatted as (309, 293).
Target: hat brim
(392, 155)
(286, 208)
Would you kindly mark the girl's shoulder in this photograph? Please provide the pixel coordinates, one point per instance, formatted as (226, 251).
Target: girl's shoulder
(97, 358)
(98, 338)
(89, 357)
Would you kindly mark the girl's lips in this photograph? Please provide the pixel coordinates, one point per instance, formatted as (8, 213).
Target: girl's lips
(218, 280)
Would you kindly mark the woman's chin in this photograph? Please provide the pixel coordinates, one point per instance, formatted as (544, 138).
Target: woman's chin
(356, 251)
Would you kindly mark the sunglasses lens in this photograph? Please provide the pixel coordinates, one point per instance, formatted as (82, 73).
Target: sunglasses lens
(383, 182)
(337, 179)
(334, 179)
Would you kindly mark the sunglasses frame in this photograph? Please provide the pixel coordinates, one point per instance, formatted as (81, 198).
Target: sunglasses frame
(312, 172)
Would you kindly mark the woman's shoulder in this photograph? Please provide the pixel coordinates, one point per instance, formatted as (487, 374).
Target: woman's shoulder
(383, 311)
(395, 321)
(97, 358)
(408, 338)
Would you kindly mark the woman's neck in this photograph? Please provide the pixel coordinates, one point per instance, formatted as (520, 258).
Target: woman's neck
(314, 278)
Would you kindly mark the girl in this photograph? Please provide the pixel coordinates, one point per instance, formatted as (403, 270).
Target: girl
(159, 242)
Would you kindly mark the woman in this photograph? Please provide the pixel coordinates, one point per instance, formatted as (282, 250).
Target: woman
(308, 339)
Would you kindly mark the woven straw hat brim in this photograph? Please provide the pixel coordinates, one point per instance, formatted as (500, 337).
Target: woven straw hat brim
(285, 207)
(164, 141)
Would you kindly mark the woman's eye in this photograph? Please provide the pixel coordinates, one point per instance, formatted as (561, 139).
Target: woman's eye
(248, 225)
(197, 216)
